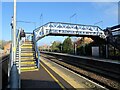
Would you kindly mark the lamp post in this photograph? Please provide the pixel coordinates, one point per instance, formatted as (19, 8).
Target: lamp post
(72, 16)
(98, 23)
(41, 19)
(75, 48)
(14, 33)
(61, 47)
(12, 40)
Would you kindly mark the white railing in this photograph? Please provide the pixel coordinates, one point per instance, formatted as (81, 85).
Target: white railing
(13, 75)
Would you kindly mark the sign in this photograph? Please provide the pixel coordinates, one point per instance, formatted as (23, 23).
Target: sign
(95, 51)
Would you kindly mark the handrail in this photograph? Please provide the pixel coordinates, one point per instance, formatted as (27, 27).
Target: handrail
(13, 74)
(37, 53)
(10, 63)
(18, 43)
(36, 29)
(18, 38)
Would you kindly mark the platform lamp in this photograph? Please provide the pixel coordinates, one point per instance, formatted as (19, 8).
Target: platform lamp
(72, 16)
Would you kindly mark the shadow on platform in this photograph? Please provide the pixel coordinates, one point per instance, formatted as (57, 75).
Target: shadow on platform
(39, 84)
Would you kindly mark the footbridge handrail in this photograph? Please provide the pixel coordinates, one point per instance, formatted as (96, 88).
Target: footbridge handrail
(13, 74)
(37, 53)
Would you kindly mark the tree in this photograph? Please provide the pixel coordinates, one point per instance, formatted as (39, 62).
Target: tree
(84, 46)
(67, 45)
(56, 46)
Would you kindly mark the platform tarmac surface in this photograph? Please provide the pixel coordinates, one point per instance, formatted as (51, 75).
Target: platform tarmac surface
(44, 78)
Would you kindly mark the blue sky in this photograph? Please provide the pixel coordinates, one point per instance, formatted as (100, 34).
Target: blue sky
(86, 13)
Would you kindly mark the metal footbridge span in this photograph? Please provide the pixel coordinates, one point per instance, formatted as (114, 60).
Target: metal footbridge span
(107, 35)
(68, 29)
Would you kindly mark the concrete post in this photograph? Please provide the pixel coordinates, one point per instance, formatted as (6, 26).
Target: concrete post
(75, 49)
(14, 33)
(61, 48)
(106, 51)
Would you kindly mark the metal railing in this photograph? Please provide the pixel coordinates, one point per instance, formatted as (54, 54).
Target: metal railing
(37, 53)
(111, 38)
(13, 74)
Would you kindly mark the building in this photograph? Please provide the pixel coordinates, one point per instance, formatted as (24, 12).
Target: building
(1, 52)
(7, 48)
(84, 40)
(44, 47)
(87, 40)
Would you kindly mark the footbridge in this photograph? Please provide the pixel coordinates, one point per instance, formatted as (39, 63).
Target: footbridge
(107, 35)
(68, 29)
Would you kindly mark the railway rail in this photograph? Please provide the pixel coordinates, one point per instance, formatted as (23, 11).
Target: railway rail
(4, 64)
(4, 58)
(97, 75)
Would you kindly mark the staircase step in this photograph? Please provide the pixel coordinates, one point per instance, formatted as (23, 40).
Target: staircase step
(27, 62)
(27, 44)
(28, 70)
(32, 60)
(27, 51)
(23, 51)
(25, 55)
(27, 58)
(32, 57)
(26, 47)
(27, 65)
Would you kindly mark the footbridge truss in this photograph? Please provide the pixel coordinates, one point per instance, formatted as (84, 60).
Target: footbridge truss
(68, 29)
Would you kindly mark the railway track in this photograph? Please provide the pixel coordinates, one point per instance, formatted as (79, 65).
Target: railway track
(97, 75)
(4, 70)
(4, 58)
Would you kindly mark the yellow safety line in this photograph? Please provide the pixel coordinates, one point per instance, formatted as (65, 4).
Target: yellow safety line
(53, 77)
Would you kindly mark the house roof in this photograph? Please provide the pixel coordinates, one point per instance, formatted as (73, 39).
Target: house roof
(1, 50)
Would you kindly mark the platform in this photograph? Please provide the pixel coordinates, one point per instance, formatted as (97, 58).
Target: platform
(42, 79)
